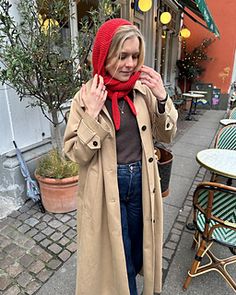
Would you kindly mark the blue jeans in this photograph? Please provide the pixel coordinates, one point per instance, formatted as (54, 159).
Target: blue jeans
(130, 191)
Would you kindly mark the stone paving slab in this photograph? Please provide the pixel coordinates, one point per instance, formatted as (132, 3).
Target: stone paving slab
(179, 187)
(170, 213)
(33, 247)
(184, 166)
(190, 150)
(196, 139)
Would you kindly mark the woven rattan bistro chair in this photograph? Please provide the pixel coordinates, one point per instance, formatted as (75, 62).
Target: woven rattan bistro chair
(215, 221)
(233, 114)
(226, 138)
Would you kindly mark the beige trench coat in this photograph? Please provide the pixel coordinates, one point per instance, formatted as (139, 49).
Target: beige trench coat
(101, 267)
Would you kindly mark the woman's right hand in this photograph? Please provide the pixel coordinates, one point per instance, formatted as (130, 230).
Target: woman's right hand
(95, 98)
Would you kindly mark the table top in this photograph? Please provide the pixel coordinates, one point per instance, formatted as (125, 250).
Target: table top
(198, 91)
(220, 161)
(193, 95)
(226, 122)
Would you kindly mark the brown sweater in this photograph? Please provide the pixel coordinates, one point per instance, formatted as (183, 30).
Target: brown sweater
(128, 141)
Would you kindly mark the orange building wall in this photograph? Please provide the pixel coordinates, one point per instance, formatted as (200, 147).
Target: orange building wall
(219, 71)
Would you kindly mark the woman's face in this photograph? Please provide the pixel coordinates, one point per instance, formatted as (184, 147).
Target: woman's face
(122, 68)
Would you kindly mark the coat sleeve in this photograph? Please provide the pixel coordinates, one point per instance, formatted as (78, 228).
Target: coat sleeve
(83, 135)
(164, 126)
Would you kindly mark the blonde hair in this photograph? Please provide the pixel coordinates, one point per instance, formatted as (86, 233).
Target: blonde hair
(122, 34)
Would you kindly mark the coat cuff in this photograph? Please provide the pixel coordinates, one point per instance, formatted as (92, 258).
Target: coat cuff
(164, 119)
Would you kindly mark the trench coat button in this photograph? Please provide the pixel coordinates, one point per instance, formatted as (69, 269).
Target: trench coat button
(144, 127)
(150, 160)
(154, 190)
(95, 143)
(153, 221)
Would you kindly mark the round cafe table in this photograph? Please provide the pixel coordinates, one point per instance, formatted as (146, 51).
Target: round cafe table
(226, 122)
(219, 161)
(195, 106)
(192, 96)
(198, 91)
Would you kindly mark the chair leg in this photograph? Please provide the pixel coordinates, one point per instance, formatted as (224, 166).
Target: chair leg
(195, 264)
(214, 177)
(195, 239)
(229, 181)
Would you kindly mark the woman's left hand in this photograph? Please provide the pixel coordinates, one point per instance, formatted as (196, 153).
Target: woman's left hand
(154, 81)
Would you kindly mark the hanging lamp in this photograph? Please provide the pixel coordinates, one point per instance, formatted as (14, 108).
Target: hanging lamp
(145, 5)
(165, 18)
(185, 33)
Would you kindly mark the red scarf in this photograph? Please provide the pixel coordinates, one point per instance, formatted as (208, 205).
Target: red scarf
(116, 89)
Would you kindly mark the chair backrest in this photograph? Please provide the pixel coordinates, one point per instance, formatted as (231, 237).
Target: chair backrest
(215, 212)
(171, 92)
(233, 114)
(178, 91)
(226, 138)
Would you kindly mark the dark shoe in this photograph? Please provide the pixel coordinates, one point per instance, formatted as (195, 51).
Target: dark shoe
(190, 226)
(233, 250)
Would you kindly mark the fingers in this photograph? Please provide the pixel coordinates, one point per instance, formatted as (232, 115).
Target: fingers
(147, 71)
(105, 95)
(100, 84)
(94, 83)
(83, 92)
(153, 80)
(97, 83)
(150, 77)
(98, 88)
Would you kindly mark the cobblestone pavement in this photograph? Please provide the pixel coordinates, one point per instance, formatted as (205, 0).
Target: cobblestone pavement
(33, 245)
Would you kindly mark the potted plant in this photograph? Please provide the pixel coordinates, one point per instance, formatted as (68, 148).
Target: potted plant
(39, 62)
(55, 176)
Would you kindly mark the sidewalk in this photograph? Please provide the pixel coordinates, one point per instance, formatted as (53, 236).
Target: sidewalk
(37, 251)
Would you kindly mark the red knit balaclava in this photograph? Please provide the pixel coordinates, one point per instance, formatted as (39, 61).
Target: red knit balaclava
(116, 89)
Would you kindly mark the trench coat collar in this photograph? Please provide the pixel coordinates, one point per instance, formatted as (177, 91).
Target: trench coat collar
(140, 87)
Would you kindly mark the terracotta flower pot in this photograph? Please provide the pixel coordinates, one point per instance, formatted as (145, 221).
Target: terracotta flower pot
(59, 195)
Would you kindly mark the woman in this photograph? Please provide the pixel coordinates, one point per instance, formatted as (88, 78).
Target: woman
(113, 121)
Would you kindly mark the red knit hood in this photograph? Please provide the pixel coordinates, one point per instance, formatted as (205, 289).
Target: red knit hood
(116, 89)
(102, 43)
